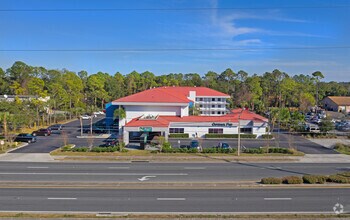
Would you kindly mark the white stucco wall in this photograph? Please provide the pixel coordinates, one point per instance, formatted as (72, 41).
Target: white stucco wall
(137, 111)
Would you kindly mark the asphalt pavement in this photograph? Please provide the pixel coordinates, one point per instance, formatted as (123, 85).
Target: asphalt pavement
(174, 201)
(159, 172)
(72, 129)
(55, 140)
(284, 141)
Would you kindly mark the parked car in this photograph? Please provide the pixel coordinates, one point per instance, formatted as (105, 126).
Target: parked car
(224, 145)
(95, 130)
(99, 113)
(313, 128)
(56, 127)
(25, 137)
(42, 132)
(195, 144)
(110, 142)
(85, 117)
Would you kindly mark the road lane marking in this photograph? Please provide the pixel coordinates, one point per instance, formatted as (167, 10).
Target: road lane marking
(194, 168)
(101, 174)
(61, 198)
(37, 167)
(145, 178)
(171, 199)
(277, 198)
(119, 168)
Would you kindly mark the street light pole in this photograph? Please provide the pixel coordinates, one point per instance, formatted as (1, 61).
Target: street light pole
(239, 133)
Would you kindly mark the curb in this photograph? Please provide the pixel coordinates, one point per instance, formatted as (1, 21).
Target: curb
(13, 149)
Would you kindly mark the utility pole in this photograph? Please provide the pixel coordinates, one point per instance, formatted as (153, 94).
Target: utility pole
(239, 133)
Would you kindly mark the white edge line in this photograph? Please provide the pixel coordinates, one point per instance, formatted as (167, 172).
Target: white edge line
(62, 198)
(277, 198)
(194, 168)
(37, 167)
(118, 167)
(171, 199)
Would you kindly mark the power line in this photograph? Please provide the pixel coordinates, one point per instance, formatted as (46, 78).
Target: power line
(176, 49)
(170, 9)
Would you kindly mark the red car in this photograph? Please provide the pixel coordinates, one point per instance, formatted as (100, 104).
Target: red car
(42, 132)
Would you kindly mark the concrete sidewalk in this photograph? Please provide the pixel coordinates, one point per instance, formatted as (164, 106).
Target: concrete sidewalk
(26, 157)
(325, 158)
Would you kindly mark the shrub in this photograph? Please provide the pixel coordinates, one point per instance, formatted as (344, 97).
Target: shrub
(292, 180)
(313, 179)
(181, 135)
(166, 148)
(271, 180)
(66, 148)
(124, 150)
(267, 136)
(80, 149)
(214, 150)
(337, 179)
(280, 150)
(253, 151)
(230, 135)
(104, 149)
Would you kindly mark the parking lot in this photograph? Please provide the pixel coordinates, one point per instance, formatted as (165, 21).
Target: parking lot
(72, 129)
(55, 140)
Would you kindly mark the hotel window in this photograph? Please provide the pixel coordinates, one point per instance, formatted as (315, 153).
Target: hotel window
(213, 106)
(213, 113)
(246, 130)
(176, 130)
(216, 130)
(200, 99)
(213, 99)
(219, 106)
(219, 99)
(218, 113)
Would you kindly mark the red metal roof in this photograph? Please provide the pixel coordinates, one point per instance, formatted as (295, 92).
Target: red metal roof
(170, 95)
(163, 121)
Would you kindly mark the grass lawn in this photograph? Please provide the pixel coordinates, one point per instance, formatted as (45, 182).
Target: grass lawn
(342, 148)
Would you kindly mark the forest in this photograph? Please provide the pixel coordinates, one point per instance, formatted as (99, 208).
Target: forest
(82, 92)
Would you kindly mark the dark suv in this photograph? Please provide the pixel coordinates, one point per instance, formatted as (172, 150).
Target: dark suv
(42, 132)
(25, 138)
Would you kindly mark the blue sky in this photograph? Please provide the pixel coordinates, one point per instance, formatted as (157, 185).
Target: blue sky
(252, 27)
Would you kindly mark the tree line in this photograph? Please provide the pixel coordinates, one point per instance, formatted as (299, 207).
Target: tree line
(84, 92)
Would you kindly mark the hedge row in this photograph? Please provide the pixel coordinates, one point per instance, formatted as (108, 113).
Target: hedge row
(178, 150)
(308, 179)
(94, 149)
(266, 136)
(179, 135)
(214, 150)
(268, 150)
(252, 136)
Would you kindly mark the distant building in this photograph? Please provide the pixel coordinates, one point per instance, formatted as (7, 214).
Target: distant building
(12, 98)
(336, 103)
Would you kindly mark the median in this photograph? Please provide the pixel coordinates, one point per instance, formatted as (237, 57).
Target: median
(167, 153)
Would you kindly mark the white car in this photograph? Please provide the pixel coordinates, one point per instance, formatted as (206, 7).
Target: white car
(85, 117)
(99, 113)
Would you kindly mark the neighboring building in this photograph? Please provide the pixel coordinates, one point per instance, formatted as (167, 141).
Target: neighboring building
(337, 103)
(12, 98)
(165, 110)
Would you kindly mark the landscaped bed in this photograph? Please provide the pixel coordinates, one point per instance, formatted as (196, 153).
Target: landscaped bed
(343, 177)
(342, 148)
